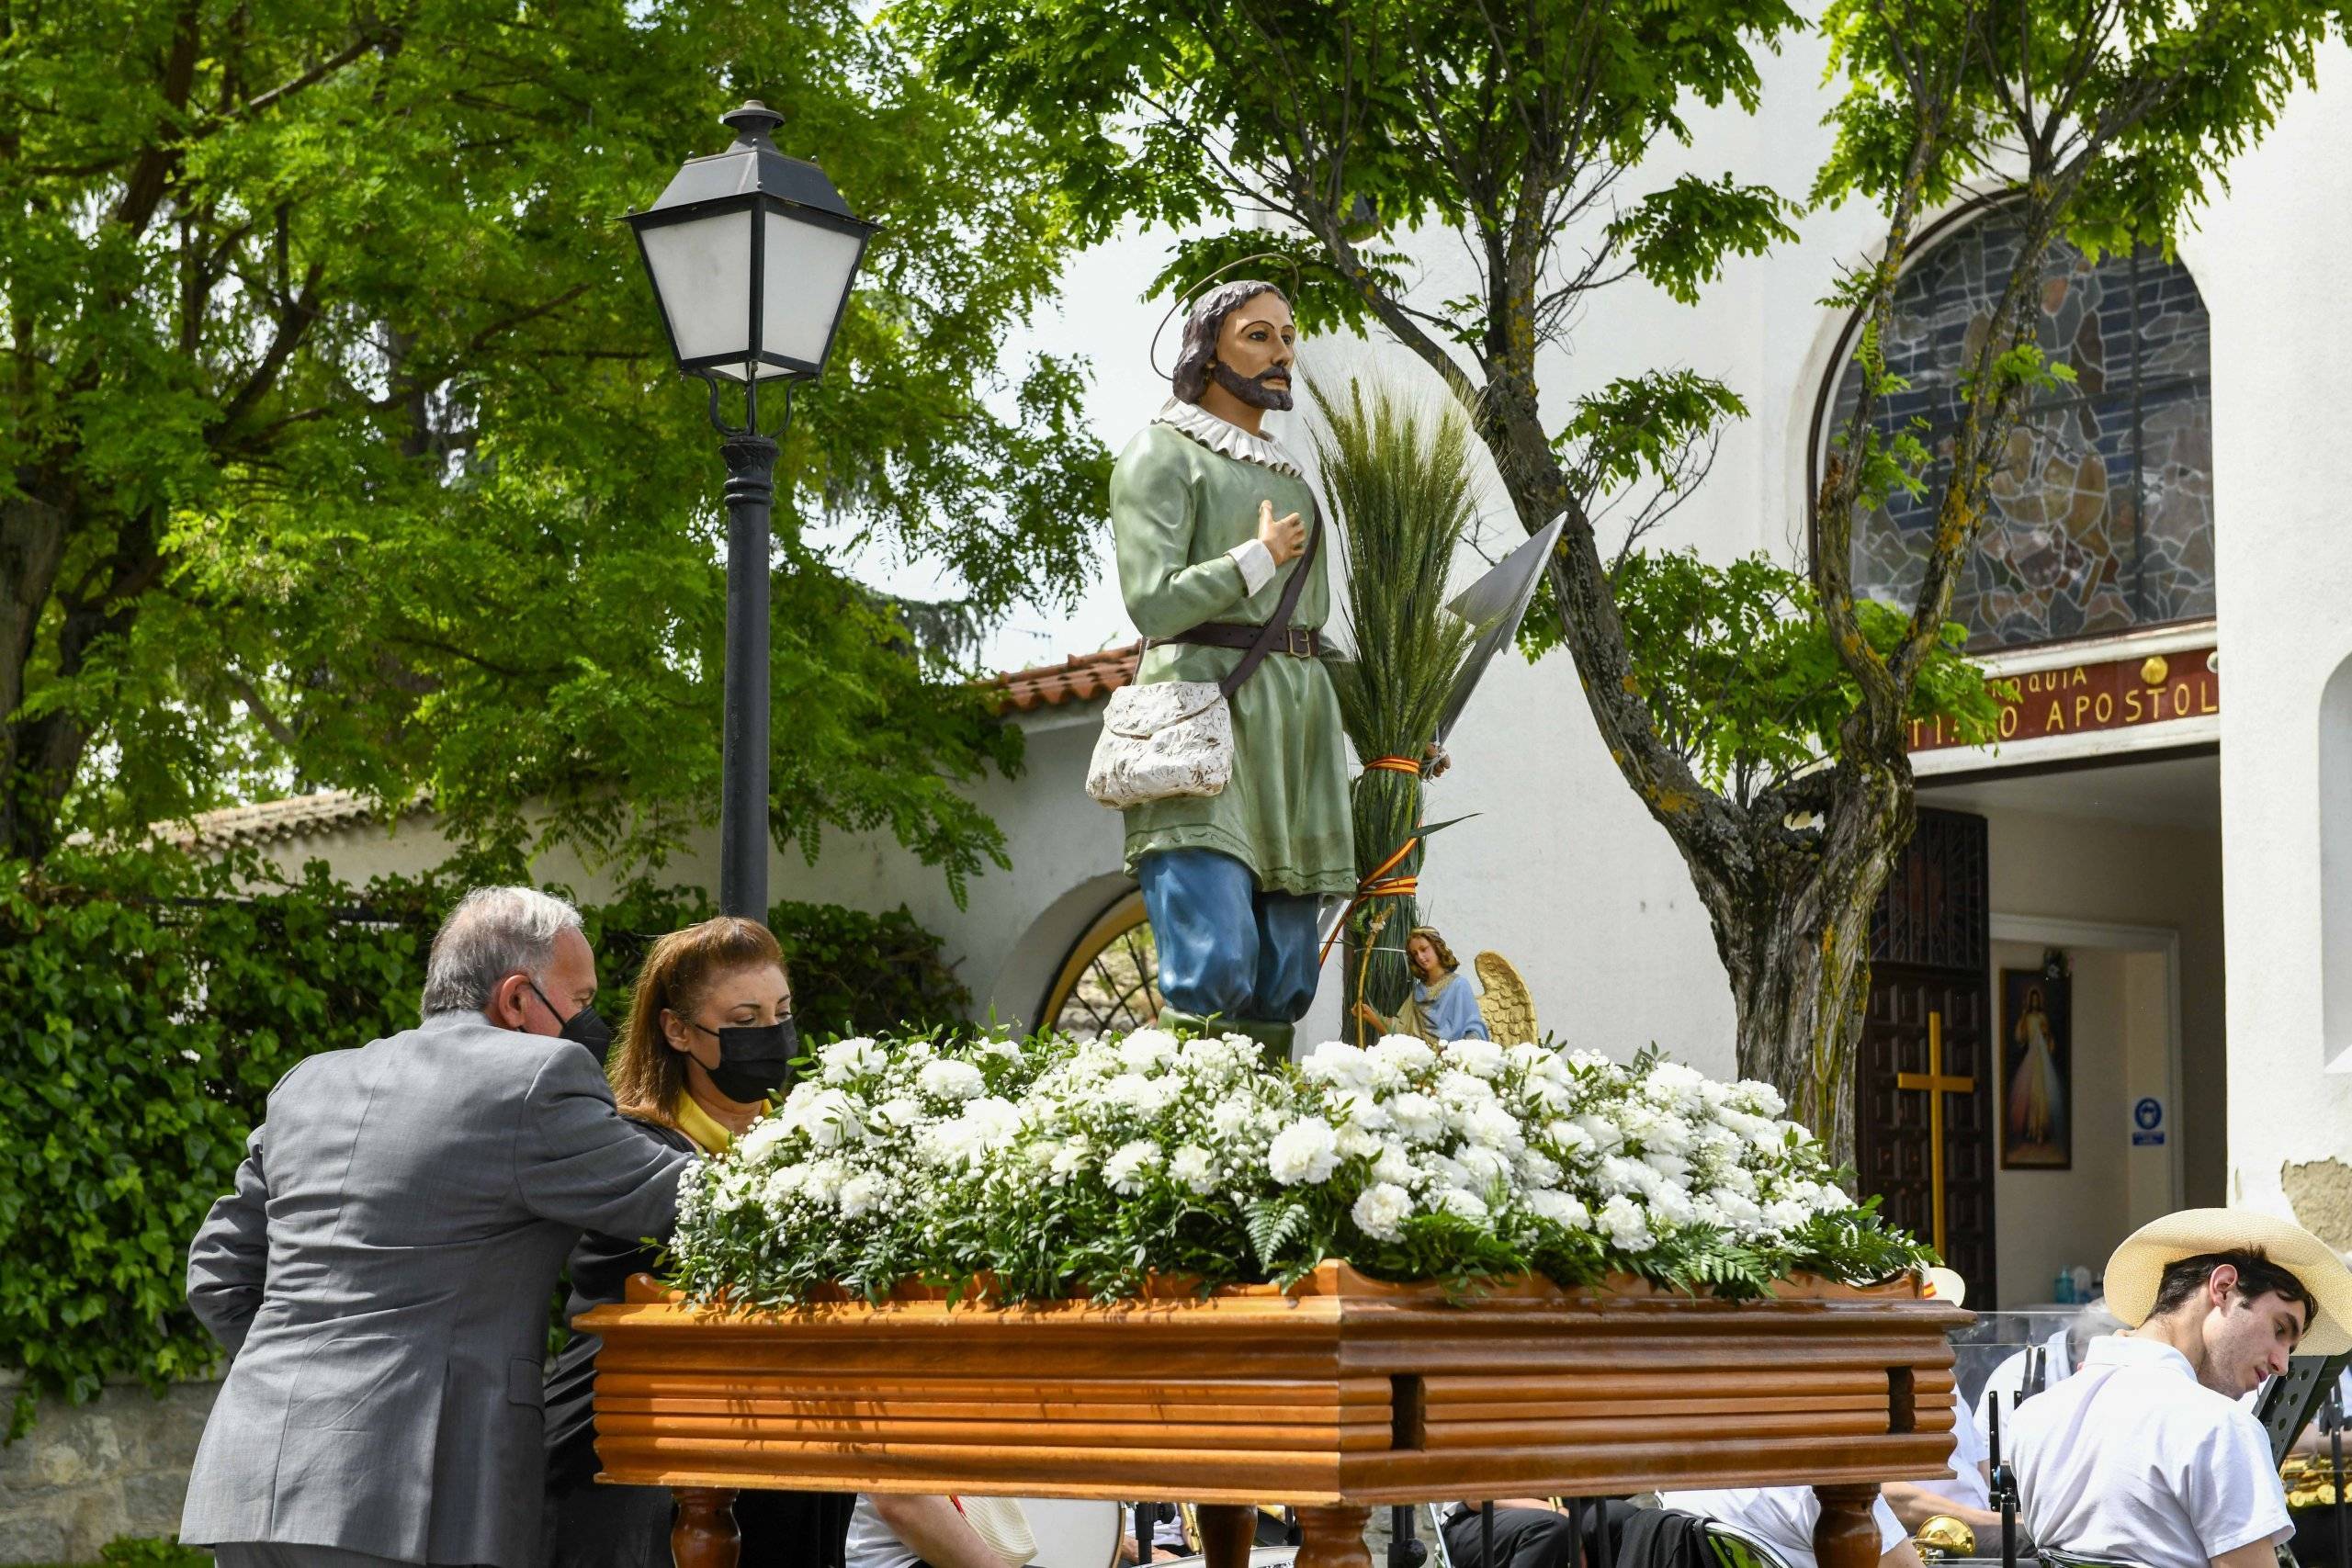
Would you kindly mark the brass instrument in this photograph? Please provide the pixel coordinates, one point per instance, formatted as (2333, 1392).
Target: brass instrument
(2307, 1481)
(1943, 1537)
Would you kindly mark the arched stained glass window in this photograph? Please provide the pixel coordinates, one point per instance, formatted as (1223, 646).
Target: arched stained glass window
(2101, 515)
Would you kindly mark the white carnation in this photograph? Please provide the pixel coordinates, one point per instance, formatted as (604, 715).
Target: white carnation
(1673, 1204)
(854, 1058)
(1381, 1210)
(1481, 1059)
(1627, 1227)
(1416, 1115)
(859, 1194)
(1459, 1091)
(831, 1119)
(1456, 1201)
(950, 1080)
(1304, 1153)
(781, 1188)
(1129, 1164)
(1606, 1137)
(1146, 1049)
(1560, 1208)
(1337, 1062)
(1406, 1054)
(1194, 1168)
(1492, 1127)
(756, 1144)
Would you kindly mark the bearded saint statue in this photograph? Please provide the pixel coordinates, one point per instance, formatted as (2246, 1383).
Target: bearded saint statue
(1208, 513)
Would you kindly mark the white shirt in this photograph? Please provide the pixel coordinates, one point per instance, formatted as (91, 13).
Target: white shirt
(2134, 1459)
(1965, 1484)
(870, 1543)
(2006, 1380)
(1781, 1516)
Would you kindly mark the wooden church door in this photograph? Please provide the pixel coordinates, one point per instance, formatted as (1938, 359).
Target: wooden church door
(1923, 1123)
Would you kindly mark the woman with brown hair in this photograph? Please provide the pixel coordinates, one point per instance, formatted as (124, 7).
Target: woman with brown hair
(710, 1037)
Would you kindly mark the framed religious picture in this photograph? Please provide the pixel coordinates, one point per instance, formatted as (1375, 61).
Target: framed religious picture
(2037, 1070)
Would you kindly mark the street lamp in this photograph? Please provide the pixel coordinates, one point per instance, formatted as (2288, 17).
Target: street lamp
(751, 254)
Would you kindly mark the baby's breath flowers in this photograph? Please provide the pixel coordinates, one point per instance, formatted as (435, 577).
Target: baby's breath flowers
(1054, 1167)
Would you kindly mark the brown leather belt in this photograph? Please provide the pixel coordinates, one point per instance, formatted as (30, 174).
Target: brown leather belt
(1299, 642)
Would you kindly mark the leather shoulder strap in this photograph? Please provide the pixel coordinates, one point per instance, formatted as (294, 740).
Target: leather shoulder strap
(1278, 623)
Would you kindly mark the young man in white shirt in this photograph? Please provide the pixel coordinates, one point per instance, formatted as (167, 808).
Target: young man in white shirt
(1782, 1517)
(2145, 1455)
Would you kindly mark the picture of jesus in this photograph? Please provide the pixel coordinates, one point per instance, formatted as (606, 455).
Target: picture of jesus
(2037, 1125)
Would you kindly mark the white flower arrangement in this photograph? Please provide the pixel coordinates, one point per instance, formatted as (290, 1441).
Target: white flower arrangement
(1052, 1167)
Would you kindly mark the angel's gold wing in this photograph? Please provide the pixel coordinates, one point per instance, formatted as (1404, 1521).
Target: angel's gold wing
(1509, 1010)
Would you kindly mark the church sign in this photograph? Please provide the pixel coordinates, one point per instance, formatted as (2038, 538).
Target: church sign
(2077, 699)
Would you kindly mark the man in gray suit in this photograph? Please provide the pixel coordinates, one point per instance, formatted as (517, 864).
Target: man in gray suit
(380, 1276)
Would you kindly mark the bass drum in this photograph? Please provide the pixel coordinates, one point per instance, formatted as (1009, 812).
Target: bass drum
(1074, 1532)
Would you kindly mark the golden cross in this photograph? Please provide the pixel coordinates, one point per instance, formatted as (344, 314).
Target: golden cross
(1937, 1084)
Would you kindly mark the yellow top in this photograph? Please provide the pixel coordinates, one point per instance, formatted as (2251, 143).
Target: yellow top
(708, 1134)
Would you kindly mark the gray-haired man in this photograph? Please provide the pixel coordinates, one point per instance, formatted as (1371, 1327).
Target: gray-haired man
(380, 1274)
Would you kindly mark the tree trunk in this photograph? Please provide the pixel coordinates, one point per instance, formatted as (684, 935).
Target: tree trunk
(1795, 937)
(33, 551)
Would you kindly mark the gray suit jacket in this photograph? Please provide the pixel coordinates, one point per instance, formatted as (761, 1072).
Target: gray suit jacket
(380, 1278)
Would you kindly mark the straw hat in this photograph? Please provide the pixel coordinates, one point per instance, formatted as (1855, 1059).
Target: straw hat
(1946, 1285)
(2138, 1266)
(1001, 1526)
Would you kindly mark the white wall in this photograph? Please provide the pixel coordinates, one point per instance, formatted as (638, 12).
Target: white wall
(2270, 263)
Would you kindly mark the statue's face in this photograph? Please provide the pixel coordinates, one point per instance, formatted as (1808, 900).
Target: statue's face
(1422, 955)
(1255, 350)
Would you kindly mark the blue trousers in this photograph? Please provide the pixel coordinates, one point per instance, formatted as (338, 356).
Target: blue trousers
(1227, 949)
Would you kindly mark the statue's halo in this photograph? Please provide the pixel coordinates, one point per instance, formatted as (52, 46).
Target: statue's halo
(1193, 294)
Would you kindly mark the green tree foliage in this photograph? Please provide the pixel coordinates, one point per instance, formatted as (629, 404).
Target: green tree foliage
(147, 1006)
(1523, 127)
(338, 445)
(1740, 677)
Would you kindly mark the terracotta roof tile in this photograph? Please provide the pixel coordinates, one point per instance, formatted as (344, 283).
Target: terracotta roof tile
(1082, 678)
(301, 816)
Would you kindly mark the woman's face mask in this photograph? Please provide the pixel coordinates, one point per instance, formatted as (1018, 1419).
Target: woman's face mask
(754, 1060)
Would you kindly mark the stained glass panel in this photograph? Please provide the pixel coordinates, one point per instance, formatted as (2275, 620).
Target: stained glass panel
(2101, 515)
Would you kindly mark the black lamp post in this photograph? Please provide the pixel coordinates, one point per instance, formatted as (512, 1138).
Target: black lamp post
(751, 254)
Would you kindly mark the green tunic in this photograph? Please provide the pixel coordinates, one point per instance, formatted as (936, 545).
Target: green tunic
(1176, 508)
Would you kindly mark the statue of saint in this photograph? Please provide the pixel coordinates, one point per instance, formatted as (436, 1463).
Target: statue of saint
(1442, 1005)
(1208, 513)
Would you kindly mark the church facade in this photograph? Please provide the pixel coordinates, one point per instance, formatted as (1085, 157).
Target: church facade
(2114, 975)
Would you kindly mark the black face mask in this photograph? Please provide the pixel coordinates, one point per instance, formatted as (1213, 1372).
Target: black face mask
(754, 1062)
(583, 1028)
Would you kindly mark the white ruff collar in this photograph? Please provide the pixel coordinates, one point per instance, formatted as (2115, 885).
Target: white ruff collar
(1222, 435)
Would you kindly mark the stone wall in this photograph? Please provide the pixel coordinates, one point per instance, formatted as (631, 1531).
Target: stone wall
(87, 1474)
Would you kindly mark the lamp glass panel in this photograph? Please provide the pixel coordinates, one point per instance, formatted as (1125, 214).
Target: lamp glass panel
(701, 269)
(809, 268)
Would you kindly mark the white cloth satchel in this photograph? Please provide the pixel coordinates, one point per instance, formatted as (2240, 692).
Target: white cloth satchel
(1175, 738)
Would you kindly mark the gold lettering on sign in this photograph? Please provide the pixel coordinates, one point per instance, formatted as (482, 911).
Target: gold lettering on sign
(2084, 698)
